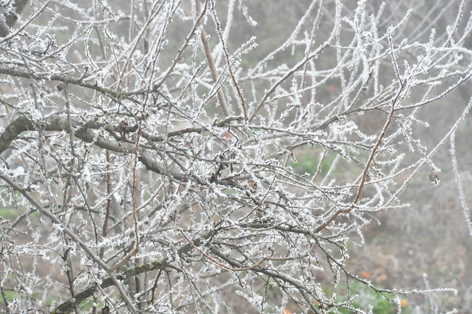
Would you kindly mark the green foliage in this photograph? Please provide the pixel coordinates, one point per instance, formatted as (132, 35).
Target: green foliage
(229, 191)
(8, 213)
(307, 162)
(11, 295)
(367, 297)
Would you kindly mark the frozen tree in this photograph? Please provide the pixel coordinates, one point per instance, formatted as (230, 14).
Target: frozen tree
(166, 156)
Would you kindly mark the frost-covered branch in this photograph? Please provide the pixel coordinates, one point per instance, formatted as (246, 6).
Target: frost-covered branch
(179, 158)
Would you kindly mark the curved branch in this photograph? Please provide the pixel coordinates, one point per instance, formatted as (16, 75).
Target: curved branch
(73, 236)
(68, 306)
(86, 134)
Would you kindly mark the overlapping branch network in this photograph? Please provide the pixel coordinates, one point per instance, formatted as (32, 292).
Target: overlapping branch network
(161, 160)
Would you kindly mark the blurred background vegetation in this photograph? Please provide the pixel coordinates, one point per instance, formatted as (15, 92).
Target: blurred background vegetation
(427, 243)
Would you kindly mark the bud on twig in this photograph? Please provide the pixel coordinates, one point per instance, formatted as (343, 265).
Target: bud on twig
(433, 177)
(60, 87)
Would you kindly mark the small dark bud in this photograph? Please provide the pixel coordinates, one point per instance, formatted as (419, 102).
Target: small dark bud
(60, 87)
(106, 310)
(433, 177)
(252, 185)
